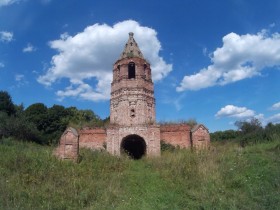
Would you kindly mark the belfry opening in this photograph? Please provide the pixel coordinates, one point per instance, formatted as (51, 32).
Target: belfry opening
(131, 70)
(134, 146)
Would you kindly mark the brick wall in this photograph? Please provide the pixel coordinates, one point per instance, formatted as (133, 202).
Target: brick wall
(150, 134)
(68, 145)
(176, 134)
(200, 137)
(92, 138)
(132, 100)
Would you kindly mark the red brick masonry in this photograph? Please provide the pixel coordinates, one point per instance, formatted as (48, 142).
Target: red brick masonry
(68, 145)
(97, 138)
(176, 134)
(132, 115)
(92, 138)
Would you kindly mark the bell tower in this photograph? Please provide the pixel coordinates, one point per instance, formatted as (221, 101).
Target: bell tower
(133, 129)
(132, 89)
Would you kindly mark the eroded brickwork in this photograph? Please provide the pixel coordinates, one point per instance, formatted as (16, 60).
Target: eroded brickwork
(132, 116)
(200, 136)
(176, 134)
(132, 108)
(93, 138)
(150, 134)
(68, 145)
(132, 99)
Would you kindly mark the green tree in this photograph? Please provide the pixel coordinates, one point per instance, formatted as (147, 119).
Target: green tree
(6, 103)
(224, 135)
(37, 113)
(4, 132)
(251, 132)
(19, 110)
(56, 123)
(55, 116)
(272, 131)
(81, 118)
(19, 128)
(249, 127)
(106, 121)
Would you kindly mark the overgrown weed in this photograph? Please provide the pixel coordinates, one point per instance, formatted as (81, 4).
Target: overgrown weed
(226, 176)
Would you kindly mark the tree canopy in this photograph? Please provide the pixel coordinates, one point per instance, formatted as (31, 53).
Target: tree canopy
(6, 103)
(249, 132)
(39, 123)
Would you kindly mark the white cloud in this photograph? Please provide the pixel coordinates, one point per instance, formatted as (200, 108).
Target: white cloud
(176, 101)
(275, 106)
(6, 36)
(240, 57)
(246, 114)
(7, 2)
(90, 55)
(20, 79)
(29, 48)
(274, 119)
(236, 112)
(205, 51)
(2, 65)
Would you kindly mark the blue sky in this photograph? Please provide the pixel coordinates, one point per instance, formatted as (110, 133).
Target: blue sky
(214, 61)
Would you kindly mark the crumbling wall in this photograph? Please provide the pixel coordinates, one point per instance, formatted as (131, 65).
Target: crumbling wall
(200, 137)
(93, 138)
(176, 134)
(68, 145)
(96, 138)
(150, 134)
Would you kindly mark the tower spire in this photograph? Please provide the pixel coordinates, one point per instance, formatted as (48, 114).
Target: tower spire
(131, 48)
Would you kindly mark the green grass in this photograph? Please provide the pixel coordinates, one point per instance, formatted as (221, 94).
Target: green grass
(224, 177)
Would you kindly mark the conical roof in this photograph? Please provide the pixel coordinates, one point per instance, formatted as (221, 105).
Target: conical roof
(131, 49)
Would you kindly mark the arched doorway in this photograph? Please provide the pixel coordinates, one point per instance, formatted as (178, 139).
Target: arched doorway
(134, 146)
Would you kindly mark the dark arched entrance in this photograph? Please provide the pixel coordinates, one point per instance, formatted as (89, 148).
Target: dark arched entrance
(134, 146)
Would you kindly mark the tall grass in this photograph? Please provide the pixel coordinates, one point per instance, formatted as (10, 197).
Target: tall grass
(224, 177)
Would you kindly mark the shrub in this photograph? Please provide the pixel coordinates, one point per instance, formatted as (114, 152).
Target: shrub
(19, 128)
(164, 146)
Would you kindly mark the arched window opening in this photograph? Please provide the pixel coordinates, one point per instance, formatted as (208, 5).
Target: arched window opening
(131, 70)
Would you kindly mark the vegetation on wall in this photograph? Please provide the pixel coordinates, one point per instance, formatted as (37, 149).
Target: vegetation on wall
(164, 146)
(191, 122)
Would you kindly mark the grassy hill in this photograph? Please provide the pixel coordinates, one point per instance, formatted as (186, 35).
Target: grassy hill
(224, 177)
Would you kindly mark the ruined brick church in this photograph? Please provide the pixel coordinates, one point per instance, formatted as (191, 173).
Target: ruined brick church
(133, 128)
